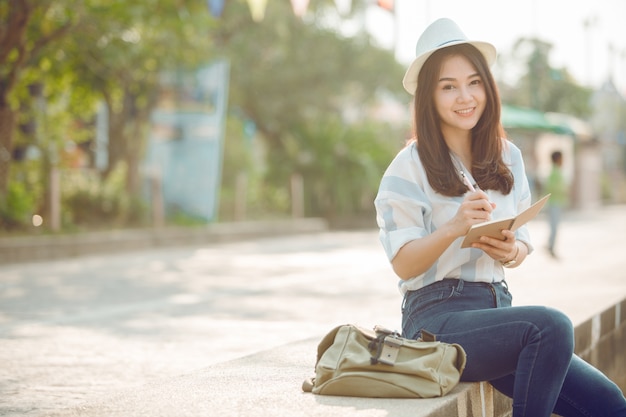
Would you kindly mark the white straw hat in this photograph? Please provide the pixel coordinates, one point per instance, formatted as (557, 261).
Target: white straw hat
(440, 34)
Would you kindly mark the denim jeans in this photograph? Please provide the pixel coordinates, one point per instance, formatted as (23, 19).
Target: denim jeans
(524, 352)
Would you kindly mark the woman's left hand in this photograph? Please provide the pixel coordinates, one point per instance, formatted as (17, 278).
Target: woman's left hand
(500, 250)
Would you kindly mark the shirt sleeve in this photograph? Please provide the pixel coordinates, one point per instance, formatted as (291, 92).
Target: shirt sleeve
(401, 205)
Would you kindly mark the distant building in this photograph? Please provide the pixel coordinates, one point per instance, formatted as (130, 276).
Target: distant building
(609, 123)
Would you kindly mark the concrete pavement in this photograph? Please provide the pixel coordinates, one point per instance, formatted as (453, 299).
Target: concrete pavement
(157, 332)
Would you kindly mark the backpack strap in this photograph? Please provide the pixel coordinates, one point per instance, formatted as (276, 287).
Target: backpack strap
(386, 346)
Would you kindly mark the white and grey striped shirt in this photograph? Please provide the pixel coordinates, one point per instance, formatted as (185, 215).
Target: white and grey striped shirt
(408, 208)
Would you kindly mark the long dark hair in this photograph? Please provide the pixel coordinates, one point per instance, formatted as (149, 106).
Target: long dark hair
(488, 168)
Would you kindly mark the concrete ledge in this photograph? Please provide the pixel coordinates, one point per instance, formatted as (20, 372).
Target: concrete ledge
(269, 384)
(601, 341)
(265, 384)
(36, 248)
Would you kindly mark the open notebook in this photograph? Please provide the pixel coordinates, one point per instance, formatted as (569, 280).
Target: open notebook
(493, 228)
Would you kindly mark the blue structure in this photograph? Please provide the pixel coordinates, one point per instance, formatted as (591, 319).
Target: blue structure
(185, 145)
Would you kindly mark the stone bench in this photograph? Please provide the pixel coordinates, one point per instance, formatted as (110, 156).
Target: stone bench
(268, 383)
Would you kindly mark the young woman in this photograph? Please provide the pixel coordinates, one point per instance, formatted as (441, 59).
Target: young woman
(458, 171)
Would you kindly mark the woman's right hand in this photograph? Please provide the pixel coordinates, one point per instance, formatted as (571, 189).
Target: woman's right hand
(415, 257)
(475, 208)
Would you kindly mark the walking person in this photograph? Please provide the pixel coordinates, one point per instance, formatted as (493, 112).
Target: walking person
(425, 206)
(557, 186)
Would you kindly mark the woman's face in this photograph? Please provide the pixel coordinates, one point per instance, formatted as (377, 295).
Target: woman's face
(459, 96)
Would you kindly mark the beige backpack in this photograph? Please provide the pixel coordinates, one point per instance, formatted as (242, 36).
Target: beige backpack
(352, 361)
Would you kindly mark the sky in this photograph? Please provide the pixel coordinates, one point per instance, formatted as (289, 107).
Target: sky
(583, 51)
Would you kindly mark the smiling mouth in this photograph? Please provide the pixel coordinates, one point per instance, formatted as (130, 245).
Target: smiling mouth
(464, 111)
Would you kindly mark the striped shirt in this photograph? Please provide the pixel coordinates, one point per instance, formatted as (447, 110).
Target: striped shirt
(408, 208)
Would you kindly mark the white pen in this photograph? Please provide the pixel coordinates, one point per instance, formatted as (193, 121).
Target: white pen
(467, 181)
(469, 184)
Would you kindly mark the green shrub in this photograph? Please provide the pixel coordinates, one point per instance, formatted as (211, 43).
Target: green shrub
(17, 209)
(88, 201)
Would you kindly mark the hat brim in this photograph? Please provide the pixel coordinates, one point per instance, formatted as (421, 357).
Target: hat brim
(410, 77)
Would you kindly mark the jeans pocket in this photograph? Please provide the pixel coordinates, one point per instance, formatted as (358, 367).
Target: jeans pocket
(416, 304)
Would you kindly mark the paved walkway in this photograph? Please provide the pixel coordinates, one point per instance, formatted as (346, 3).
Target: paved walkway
(77, 332)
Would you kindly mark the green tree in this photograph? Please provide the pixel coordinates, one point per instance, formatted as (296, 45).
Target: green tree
(70, 55)
(27, 30)
(121, 52)
(289, 75)
(542, 86)
(342, 165)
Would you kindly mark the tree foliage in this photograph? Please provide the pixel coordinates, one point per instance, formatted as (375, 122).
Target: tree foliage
(288, 74)
(286, 71)
(544, 87)
(28, 28)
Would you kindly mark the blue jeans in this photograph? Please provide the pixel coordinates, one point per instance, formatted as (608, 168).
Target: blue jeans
(524, 352)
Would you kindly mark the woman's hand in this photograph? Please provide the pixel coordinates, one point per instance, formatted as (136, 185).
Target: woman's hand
(416, 256)
(474, 209)
(500, 250)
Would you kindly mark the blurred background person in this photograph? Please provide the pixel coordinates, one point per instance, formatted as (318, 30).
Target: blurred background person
(557, 186)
